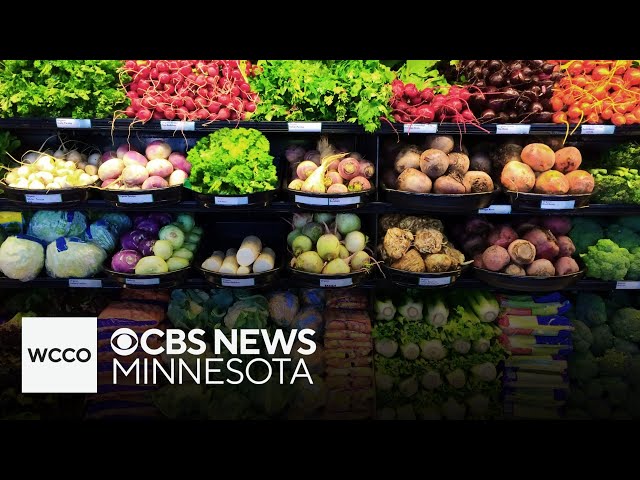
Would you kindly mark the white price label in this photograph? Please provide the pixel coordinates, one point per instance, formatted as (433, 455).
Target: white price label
(231, 200)
(597, 129)
(557, 204)
(496, 209)
(142, 281)
(336, 282)
(311, 200)
(420, 128)
(305, 126)
(513, 129)
(238, 282)
(73, 123)
(177, 125)
(628, 285)
(434, 282)
(49, 198)
(344, 201)
(85, 283)
(148, 198)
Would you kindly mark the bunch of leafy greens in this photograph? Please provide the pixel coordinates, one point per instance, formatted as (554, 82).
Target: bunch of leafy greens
(423, 74)
(619, 185)
(8, 143)
(232, 161)
(332, 90)
(623, 155)
(67, 88)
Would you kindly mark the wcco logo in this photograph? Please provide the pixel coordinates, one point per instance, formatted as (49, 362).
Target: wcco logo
(59, 355)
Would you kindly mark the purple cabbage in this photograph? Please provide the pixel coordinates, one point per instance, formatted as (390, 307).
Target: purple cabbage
(146, 247)
(132, 239)
(125, 261)
(161, 218)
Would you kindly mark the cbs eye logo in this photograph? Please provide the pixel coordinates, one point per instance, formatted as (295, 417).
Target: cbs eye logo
(124, 341)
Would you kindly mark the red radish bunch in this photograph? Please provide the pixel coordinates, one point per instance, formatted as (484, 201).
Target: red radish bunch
(411, 105)
(189, 90)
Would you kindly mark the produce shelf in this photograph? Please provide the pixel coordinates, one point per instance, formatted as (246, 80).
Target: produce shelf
(282, 283)
(514, 129)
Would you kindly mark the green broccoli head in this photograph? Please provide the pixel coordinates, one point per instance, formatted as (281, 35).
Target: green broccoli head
(625, 346)
(615, 389)
(623, 236)
(625, 324)
(591, 309)
(602, 339)
(584, 233)
(634, 268)
(611, 189)
(631, 221)
(607, 261)
(581, 337)
(622, 155)
(582, 366)
(614, 363)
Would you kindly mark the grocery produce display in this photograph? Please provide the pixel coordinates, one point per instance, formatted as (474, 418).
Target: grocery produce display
(460, 237)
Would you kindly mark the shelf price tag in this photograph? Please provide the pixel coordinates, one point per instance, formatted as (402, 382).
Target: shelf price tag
(344, 201)
(177, 125)
(311, 200)
(142, 281)
(47, 198)
(305, 126)
(85, 283)
(513, 129)
(231, 200)
(420, 128)
(496, 210)
(628, 285)
(73, 123)
(597, 129)
(238, 282)
(336, 282)
(557, 204)
(136, 198)
(434, 282)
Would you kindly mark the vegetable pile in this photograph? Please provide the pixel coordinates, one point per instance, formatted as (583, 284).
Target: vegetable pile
(605, 366)
(128, 169)
(327, 170)
(417, 244)
(610, 251)
(328, 244)
(437, 356)
(231, 161)
(616, 175)
(156, 243)
(542, 170)
(66, 167)
(315, 90)
(60, 88)
(597, 91)
(436, 168)
(514, 91)
(189, 90)
(251, 257)
(536, 247)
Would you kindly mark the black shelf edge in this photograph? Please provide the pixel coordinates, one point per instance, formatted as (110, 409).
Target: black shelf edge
(126, 124)
(285, 282)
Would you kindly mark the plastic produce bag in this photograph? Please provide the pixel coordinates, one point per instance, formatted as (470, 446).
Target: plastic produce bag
(48, 225)
(21, 258)
(100, 234)
(73, 258)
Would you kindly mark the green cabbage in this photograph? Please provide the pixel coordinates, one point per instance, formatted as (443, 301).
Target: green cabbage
(283, 307)
(119, 223)
(21, 259)
(73, 258)
(48, 225)
(99, 233)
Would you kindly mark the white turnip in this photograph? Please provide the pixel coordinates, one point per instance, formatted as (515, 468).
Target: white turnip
(158, 149)
(111, 169)
(94, 159)
(154, 182)
(177, 177)
(337, 188)
(108, 155)
(305, 169)
(134, 158)
(179, 162)
(134, 175)
(159, 167)
(122, 149)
